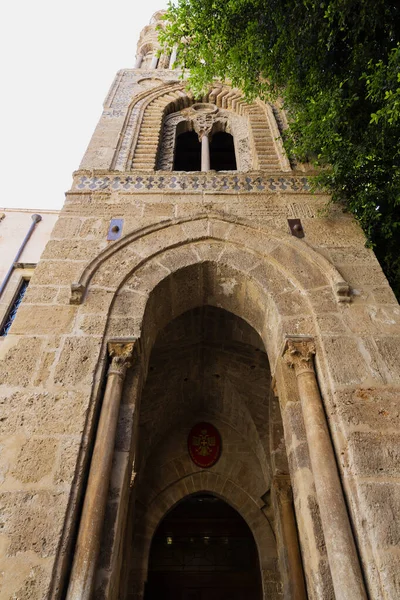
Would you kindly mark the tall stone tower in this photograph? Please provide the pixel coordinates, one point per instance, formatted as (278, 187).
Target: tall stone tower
(201, 389)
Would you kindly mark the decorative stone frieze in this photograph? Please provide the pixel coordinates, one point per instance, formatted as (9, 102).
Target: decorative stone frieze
(194, 182)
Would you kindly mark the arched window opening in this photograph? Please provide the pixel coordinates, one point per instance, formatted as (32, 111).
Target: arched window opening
(203, 550)
(187, 152)
(222, 152)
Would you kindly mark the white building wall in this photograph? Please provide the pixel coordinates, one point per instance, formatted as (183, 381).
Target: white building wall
(14, 225)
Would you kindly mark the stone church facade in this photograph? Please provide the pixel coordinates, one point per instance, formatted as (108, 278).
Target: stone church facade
(192, 277)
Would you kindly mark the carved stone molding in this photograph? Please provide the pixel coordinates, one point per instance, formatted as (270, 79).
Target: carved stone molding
(121, 354)
(299, 353)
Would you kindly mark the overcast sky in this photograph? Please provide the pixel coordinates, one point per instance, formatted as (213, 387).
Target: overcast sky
(58, 60)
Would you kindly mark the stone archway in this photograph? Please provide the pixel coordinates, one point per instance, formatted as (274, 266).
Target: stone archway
(203, 550)
(206, 365)
(263, 277)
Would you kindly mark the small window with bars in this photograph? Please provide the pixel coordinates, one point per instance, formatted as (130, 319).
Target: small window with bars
(12, 311)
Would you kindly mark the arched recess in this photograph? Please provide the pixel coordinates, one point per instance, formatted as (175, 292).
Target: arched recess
(224, 121)
(203, 545)
(166, 475)
(210, 363)
(149, 518)
(142, 129)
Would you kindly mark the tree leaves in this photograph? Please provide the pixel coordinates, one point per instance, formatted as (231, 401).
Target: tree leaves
(335, 65)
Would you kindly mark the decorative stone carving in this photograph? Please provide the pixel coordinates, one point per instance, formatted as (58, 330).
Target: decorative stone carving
(202, 116)
(299, 354)
(77, 292)
(165, 160)
(144, 181)
(204, 119)
(121, 356)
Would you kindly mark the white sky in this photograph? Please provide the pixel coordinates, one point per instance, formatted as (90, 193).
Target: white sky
(58, 60)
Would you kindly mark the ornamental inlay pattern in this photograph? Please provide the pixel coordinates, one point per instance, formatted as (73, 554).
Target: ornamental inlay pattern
(195, 182)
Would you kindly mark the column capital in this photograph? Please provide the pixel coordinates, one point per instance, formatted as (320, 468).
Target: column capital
(298, 353)
(283, 489)
(121, 354)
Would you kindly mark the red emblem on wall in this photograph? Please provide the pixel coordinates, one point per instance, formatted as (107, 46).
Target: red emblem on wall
(204, 444)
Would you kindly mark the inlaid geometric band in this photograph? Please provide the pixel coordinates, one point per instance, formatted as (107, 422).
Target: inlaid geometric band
(194, 183)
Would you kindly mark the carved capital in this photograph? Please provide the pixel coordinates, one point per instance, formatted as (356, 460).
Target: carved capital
(202, 116)
(299, 353)
(121, 354)
(283, 489)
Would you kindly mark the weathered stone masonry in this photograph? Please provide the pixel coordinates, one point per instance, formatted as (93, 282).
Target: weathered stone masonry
(212, 291)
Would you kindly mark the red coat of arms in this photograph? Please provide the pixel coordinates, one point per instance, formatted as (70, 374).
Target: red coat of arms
(204, 444)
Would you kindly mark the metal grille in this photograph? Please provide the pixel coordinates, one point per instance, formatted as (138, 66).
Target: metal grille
(14, 308)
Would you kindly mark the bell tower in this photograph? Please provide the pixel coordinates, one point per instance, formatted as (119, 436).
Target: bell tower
(201, 386)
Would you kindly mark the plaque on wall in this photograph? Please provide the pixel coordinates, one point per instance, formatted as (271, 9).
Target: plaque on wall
(204, 445)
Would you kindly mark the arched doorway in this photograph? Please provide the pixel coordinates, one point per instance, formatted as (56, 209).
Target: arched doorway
(203, 550)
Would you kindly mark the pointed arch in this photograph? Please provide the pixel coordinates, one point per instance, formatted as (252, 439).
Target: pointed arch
(140, 136)
(223, 488)
(147, 243)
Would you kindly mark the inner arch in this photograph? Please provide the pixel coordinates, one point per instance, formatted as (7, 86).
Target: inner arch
(203, 550)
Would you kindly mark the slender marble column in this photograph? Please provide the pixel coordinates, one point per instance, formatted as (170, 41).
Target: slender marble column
(90, 528)
(342, 555)
(284, 499)
(172, 59)
(205, 152)
(139, 60)
(154, 62)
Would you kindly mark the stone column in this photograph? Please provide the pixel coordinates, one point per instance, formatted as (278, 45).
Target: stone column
(172, 58)
(342, 554)
(295, 585)
(154, 62)
(139, 60)
(90, 528)
(205, 152)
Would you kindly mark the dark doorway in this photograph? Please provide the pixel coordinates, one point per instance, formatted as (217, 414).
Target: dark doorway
(203, 550)
(222, 152)
(187, 152)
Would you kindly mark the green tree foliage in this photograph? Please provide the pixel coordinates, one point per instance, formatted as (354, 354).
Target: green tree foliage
(336, 65)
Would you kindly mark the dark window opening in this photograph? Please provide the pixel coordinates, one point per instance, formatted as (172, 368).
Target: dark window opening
(12, 311)
(222, 152)
(188, 152)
